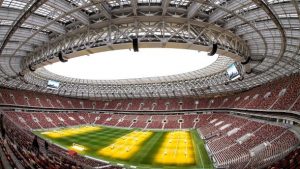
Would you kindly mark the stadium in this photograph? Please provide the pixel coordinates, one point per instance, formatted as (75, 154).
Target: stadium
(164, 84)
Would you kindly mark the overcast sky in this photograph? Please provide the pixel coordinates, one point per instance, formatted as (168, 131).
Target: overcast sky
(126, 64)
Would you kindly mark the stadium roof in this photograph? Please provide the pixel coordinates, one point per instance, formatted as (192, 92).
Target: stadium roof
(262, 37)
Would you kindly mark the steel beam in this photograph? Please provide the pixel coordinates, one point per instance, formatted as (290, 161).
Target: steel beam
(269, 12)
(19, 22)
(104, 9)
(65, 6)
(164, 5)
(134, 5)
(193, 9)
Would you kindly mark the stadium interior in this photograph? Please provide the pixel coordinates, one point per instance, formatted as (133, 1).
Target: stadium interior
(170, 84)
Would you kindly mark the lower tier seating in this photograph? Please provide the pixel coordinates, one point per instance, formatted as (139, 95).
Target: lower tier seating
(232, 141)
(18, 143)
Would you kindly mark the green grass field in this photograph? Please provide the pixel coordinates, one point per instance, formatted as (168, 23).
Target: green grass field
(144, 149)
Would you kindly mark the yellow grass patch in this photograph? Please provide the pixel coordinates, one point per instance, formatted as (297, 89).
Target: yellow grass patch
(125, 147)
(70, 131)
(176, 149)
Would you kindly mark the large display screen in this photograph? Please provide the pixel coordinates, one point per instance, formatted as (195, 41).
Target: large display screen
(233, 72)
(52, 84)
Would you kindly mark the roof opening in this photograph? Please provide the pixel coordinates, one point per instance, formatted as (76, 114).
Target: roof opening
(126, 64)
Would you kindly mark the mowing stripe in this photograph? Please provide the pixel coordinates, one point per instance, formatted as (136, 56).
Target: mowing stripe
(147, 149)
(70, 131)
(169, 154)
(125, 147)
(90, 143)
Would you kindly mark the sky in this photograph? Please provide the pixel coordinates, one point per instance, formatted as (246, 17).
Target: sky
(126, 64)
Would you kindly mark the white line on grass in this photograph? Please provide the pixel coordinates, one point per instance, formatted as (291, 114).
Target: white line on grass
(175, 152)
(198, 151)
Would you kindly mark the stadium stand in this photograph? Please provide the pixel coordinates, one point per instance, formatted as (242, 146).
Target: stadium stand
(231, 140)
(141, 121)
(126, 121)
(277, 95)
(291, 161)
(18, 142)
(172, 122)
(246, 118)
(236, 144)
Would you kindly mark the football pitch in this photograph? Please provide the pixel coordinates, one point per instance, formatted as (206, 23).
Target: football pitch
(134, 147)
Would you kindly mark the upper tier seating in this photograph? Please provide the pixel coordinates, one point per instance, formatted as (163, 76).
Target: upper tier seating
(281, 94)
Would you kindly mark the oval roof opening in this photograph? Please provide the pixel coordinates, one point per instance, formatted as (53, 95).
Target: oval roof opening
(126, 64)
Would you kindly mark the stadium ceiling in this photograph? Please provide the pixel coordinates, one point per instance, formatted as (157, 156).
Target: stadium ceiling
(262, 36)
